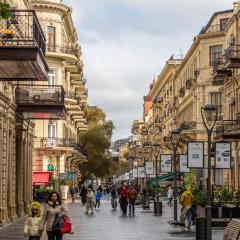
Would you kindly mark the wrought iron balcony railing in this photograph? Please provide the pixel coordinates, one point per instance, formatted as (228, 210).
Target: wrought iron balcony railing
(228, 129)
(62, 49)
(40, 99)
(56, 142)
(26, 30)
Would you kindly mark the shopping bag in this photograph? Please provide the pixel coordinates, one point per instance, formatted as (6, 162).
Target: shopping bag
(66, 226)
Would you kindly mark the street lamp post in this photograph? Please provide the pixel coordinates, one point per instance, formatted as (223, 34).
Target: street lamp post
(175, 138)
(135, 164)
(156, 151)
(209, 116)
(145, 156)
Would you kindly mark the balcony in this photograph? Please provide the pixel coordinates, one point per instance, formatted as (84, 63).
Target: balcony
(188, 125)
(22, 48)
(232, 55)
(40, 101)
(228, 130)
(66, 53)
(54, 142)
(220, 72)
(71, 98)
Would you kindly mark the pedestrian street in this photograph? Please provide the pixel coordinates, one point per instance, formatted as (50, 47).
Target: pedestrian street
(110, 225)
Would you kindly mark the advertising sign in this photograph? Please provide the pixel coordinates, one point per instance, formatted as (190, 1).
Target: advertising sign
(183, 164)
(195, 154)
(223, 155)
(141, 172)
(166, 163)
(135, 173)
(149, 168)
(127, 176)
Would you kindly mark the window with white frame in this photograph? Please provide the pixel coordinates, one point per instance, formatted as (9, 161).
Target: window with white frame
(51, 77)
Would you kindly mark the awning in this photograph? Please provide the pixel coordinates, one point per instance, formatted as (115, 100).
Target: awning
(41, 178)
(166, 177)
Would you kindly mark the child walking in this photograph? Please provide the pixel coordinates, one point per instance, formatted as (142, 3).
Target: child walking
(98, 199)
(31, 228)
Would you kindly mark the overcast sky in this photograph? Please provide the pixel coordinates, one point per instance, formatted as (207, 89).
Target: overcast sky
(126, 42)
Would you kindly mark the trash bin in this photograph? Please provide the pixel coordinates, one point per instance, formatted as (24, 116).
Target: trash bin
(200, 228)
(156, 207)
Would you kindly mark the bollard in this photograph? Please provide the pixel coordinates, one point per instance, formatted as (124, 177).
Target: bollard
(200, 228)
(158, 209)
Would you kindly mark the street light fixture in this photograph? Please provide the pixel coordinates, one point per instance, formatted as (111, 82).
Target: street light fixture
(156, 150)
(209, 115)
(175, 138)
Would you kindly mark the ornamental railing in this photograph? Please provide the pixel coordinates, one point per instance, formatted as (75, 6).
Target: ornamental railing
(24, 30)
(228, 128)
(56, 142)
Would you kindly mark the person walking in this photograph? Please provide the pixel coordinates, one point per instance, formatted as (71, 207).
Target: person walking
(170, 195)
(132, 196)
(31, 230)
(52, 208)
(113, 194)
(98, 199)
(90, 200)
(83, 195)
(72, 191)
(108, 190)
(186, 201)
(123, 200)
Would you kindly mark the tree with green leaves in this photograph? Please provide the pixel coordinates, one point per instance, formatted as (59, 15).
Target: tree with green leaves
(5, 11)
(96, 141)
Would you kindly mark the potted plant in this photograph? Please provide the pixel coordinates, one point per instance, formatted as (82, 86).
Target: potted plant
(200, 200)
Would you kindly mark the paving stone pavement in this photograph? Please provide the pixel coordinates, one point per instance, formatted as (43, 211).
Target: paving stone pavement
(106, 224)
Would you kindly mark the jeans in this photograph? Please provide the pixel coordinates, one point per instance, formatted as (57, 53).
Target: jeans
(97, 204)
(114, 202)
(131, 207)
(54, 235)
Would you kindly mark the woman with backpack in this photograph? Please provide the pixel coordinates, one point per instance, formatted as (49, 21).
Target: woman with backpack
(53, 208)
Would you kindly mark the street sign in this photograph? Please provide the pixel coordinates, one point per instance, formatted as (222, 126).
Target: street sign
(183, 162)
(223, 155)
(166, 163)
(195, 154)
(149, 168)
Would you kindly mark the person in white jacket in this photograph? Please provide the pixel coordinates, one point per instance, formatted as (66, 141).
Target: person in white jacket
(31, 228)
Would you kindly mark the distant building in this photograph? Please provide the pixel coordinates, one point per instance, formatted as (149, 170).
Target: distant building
(119, 143)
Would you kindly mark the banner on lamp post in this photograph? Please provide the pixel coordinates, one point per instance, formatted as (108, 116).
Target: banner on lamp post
(141, 172)
(223, 155)
(135, 173)
(183, 164)
(149, 168)
(127, 176)
(195, 154)
(166, 163)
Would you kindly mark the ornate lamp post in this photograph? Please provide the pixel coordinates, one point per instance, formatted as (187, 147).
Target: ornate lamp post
(209, 115)
(145, 156)
(156, 150)
(135, 164)
(175, 138)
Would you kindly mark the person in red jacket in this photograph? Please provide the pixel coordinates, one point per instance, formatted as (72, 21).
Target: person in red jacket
(123, 199)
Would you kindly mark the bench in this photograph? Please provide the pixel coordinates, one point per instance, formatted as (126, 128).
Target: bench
(232, 231)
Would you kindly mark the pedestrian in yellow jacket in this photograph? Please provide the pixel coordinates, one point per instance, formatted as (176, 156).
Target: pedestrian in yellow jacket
(31, 228)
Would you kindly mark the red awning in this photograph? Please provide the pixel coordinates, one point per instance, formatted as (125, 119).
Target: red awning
(41, 178)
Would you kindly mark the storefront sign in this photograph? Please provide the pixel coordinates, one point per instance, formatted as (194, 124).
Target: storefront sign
(166, 163)
(149, 168)
(183, 164)
(223, 155)
(195, 154)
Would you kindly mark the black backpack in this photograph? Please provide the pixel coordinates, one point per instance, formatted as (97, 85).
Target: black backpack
(58, 222)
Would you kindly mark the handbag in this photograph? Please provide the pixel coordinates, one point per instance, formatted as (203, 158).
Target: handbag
(58, 222)
(66, 226)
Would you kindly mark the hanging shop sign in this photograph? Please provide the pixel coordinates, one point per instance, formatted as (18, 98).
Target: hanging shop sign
(183, 164)
(149, 168)
(223, 155)
(141, 172)
(195, 154)
(166, 163)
